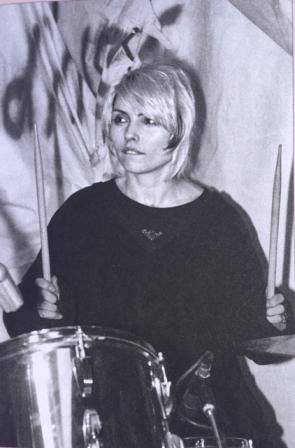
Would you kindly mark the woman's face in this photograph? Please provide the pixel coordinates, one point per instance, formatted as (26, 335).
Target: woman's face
(139, 142)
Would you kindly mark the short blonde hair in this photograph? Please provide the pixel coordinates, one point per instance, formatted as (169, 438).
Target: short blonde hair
(165, 92)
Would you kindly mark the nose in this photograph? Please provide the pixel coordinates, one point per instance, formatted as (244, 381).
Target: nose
(131, 132)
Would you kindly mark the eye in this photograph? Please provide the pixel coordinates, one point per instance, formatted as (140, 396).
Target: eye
(119, 119)
(149, 121)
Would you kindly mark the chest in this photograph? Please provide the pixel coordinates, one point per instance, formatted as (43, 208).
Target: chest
(158, 258)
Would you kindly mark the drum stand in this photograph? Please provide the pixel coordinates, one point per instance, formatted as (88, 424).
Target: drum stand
(209, 411)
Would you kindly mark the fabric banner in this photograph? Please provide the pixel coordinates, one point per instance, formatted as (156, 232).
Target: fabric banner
(59, 59)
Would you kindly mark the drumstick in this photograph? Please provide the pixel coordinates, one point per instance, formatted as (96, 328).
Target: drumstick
(12, 299)
(41, 207)
(274, 227)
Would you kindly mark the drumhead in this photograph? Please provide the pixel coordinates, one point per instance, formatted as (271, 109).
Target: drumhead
(52, 338)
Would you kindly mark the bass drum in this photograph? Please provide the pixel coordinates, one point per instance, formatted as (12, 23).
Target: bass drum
(86, 387)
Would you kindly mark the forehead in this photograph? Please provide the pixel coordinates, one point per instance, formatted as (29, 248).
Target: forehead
(128, 104)
(149, 107)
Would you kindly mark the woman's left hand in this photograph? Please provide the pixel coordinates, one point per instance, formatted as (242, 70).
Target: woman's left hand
(276, 311)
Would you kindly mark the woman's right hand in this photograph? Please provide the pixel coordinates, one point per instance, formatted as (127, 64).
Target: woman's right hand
(47, 307)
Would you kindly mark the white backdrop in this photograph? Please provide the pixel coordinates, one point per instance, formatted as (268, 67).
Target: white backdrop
(56, 60)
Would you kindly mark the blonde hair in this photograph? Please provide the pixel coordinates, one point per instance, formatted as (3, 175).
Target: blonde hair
(165, 92)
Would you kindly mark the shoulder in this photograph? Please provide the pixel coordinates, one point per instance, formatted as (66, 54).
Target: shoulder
(230, 231)
(187, 190)
(224, 215)
(96, 190)
(85, 202)
(218, 204)
(214, 202)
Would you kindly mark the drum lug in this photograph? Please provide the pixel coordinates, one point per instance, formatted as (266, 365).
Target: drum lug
(167, 398)
(165, 387)
(83, 375)
(83, 367)
(91, 429)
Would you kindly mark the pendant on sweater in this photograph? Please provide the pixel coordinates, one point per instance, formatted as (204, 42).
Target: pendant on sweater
(151, 234)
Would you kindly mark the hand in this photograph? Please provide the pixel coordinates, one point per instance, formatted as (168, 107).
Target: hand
(175, 441)
(276, 312)
(49, 290)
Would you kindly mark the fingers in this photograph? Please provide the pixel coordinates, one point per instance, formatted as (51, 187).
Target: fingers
(275, 306)
(47, 289)
(55, 283)
(275, 300)
(46, 314)
(47, 308)
(276, 312)
(277, 319)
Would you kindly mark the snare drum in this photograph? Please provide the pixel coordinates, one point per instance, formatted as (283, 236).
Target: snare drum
(210, 442)
(86, 387)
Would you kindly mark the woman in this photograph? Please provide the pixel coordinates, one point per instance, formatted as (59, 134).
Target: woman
(156, 254)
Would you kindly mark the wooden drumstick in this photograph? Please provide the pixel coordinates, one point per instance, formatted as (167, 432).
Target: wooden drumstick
(41, 207)
(11, 300)
(274, 227)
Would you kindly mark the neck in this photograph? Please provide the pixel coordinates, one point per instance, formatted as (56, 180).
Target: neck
(151, 192)
(159, 192)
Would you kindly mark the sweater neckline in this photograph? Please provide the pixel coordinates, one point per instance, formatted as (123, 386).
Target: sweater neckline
(157, 210)
(156, 227)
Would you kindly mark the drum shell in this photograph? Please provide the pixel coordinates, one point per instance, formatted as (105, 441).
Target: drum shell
(46, 379)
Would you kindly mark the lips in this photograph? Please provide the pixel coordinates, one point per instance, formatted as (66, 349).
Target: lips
(132, 151)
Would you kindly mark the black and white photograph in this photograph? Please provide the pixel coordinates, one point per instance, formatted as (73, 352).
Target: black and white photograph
(147, 287)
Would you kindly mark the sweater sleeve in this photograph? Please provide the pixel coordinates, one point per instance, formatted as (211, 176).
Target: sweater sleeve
(243, 310)
(60, 237)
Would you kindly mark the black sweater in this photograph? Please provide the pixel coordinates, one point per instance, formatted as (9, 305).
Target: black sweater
(186, 279)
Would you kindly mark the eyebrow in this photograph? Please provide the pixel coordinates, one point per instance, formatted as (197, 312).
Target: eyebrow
(119, 110)
(125, 113)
